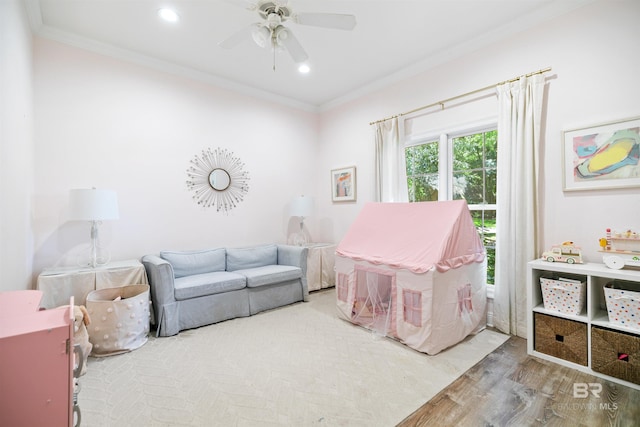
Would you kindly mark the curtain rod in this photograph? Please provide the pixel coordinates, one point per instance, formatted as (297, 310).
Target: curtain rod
(473, 92)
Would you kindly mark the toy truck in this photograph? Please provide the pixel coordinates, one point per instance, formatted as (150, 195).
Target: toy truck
(566, 252)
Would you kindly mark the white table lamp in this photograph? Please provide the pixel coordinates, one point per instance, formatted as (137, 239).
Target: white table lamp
(301, 206)
(94, 206)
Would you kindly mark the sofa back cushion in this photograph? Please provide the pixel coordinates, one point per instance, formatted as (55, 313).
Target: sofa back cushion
(257, 256)
(187, 263)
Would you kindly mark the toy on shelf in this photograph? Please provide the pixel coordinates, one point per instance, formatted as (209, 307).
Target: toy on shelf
(620, 249)
(566, 252)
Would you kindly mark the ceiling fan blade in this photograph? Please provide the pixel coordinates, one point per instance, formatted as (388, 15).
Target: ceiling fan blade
(326, 20)
(235, 39)
(292, 45)
(245, 4)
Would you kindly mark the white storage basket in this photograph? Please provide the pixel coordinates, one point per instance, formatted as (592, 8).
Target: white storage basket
(623, 304)
(561, 295)
(119, 319)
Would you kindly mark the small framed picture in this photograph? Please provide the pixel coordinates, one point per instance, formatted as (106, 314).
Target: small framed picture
(343, 184)
(602, 156)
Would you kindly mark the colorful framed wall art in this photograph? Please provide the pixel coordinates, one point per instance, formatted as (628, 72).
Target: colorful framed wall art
(343, 184)
(602, 156)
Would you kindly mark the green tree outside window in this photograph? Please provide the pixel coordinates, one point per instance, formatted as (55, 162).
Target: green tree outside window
(473, 178)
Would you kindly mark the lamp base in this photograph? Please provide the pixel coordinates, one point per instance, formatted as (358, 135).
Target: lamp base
(86, 259)
(299, 239)
(98, 256)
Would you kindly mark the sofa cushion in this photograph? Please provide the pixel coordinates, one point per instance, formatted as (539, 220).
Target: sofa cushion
(270, 274)
(186, 263)
(257, 256)
(207, 284)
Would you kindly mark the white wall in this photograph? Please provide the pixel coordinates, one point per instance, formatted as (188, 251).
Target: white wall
(594, 55)
(16, 147)
(105, 123)
(113, 125)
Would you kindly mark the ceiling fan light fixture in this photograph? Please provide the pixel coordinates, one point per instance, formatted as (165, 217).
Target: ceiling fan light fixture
(168, 15)
(281, 34)
(262, 36)
(273, 34)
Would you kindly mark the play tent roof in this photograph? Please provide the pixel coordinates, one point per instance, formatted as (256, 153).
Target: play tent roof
(414, 236)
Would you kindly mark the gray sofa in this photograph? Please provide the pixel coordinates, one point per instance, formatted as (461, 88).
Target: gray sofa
(196, 288)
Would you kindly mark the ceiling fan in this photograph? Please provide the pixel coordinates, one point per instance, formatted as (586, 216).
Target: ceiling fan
(271, 32)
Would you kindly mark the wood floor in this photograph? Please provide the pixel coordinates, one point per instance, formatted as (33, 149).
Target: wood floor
(510, 388)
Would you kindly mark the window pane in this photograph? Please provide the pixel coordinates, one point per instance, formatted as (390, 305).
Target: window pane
(491, 265)
(491, 149)
(423, 188)
(468, 186)
(485, 221)
(422, 159)
(490, 186)
(468, 152)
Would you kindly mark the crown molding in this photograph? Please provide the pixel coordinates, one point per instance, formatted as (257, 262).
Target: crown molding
(524, 23)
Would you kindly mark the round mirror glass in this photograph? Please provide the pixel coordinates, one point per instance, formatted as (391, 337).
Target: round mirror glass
(219, 179)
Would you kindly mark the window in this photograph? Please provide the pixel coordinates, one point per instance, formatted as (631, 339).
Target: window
(342, 286)
(422, 171)
(459, 166)
(412, 307)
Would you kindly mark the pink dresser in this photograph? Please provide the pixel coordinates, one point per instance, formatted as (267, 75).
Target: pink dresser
(36, 362)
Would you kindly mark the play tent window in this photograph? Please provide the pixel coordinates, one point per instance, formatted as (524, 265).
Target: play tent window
(342, 286)
(412, 307)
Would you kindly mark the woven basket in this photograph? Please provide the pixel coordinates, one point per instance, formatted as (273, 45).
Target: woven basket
(119, 319)
(616, 354)
(562, 338)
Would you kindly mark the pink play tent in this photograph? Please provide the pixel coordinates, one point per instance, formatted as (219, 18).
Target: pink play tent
(415, 272)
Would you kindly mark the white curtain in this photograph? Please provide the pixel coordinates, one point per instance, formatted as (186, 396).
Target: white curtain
(519, 115)
(391, 173)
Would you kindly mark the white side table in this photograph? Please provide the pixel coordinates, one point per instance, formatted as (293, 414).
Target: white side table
(320, 263)
(59, 283)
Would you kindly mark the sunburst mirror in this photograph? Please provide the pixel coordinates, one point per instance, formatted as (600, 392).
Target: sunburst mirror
(217, 179)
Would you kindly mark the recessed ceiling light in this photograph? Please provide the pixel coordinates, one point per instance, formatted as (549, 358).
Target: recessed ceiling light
(304, 69)
(168, 15)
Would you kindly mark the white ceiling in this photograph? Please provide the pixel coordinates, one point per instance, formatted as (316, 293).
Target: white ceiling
(392, 40)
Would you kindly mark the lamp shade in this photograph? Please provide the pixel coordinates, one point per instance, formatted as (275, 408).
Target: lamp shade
(93, 205)
(301, 206)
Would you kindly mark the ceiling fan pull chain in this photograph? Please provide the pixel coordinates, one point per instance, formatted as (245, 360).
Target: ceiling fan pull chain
(273, 45)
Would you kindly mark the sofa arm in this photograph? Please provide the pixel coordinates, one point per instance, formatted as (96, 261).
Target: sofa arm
(295, 256)
(161, 280)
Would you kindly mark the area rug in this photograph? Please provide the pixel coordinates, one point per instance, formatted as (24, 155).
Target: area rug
(298, 365)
